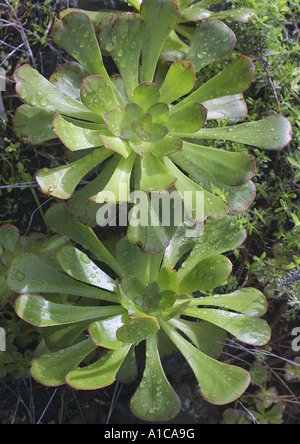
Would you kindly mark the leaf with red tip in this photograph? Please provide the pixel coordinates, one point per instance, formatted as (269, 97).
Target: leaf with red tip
(179, 81)
(76, 34)
(212, 41)
(33, 125)
(187, 119)
(98, 95)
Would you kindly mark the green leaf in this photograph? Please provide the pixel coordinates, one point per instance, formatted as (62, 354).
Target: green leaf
(166, 146)
(227, 167)
(234, 79)
(118, 188)
(78, 265)
(127, 373)
(98, 95)
(95, 16)
(49, 249)
(146, 95)
(160, 16)
(68, 79)
(138, 329)
(246, 329)
(187, 119)
(194, 13)
(141, 147)
(154, 176)
(136, 263)
(9, 236)
(212, 41)
(145, 228)
(51, 369)
(241, 15)
(104, 332)
(117, 144)
(61, 181)
(198, 203)
(271, 133)
(99, 374)
(206, 337)
(33, 125)
(76, 34)
(168, 280)
(42, 313)
(59, 220)
(174, 49)
(219, 383)
(29, 274)
(75, 137)
(229, 108)
(35, 90)
(241, 198)
(159, 113)
(179, 81)
(80, 207)
(206, 275)
(155, 399)
(247, 301)
(127, 36)
(219, 237)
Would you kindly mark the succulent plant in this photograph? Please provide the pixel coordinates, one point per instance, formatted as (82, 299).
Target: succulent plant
(12, 245)
(147, 121)
(147, 298)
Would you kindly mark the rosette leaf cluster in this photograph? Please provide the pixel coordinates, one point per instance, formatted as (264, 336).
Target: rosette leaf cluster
(144, 297)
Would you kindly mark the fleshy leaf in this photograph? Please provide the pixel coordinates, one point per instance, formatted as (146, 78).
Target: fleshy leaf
(42, 313)
(271, 133)
(127, 373)
(141, 147)
(198, 203)
(146, 95)
(51, 369)
(59, 220)
(78, 265)
(61, 181)
(80, 207)
(117, 144)
(29, 274)
(103, 332)
(49, 249)
(219, 237)
(159, 113)
(219, 383)
(33, 125)
(187, 119)
(68, 79)
(234, 79)
(179, 81)
(194, 13)
(75, 137)
(99, 374)
(145, 228)
(166, 146)
(208, 338)
(118, 188)
(227, 167)
(155, 399)
(136, 263)
(246, 329)
(137, 330)
(206, 275)
(167, 280)
(9, 236)
(127, 37)
(95, 16)
(212, 41)
(35, 90)
(174, 49)
(242, 15)
(247, 301)
(154, 176)
(229, 108)
(160, 18)
(241, 198)
(98, 95)
(76, 34)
